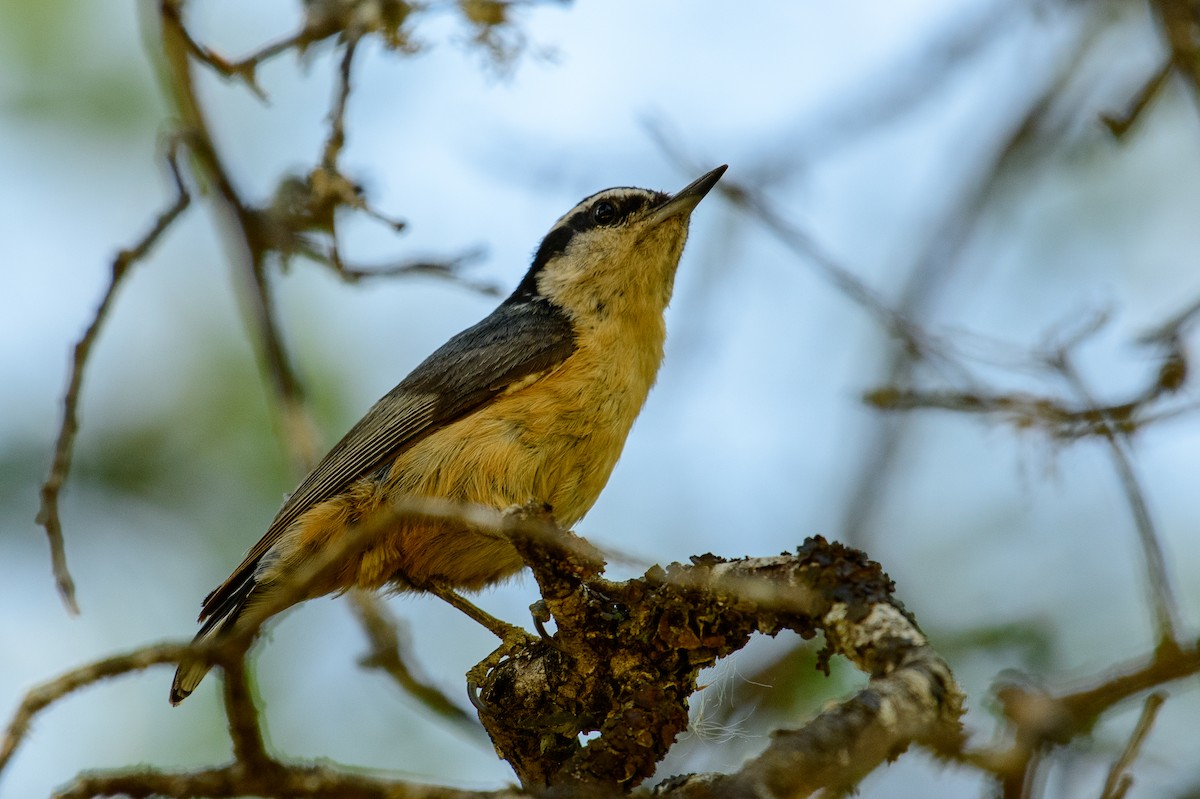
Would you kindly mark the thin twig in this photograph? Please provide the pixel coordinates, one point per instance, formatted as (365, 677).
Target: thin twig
(300, 432)
(1027, 411)
(336, 139)
(1162, 595)
(388, 655)
(48, 513)
(42, 696)
(1119, 124)
(1087, 704)
(1179, 25)
(450, 269)
(1171, 330)
(1118, 782)
(331, 176)
(804, 245)
(1042, 719)
(294, 781)
(244, 730)
(329, 188)
(246, 68)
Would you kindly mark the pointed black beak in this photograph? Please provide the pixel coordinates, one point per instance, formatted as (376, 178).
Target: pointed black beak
(687, 198)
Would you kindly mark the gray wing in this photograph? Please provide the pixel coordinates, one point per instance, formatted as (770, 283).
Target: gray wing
(516, 340)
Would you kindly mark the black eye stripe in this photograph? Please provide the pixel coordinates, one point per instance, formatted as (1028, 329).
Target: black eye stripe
(626, 206)
(554, 244)
(627, 203)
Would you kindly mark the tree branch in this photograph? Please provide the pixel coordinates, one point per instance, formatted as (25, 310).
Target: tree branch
(42, 696)
(389, 656)
(1158, 579)
(300, 432)
(64, 447)
(1119, 782)
(626, 656)
(1039, 720)
(229, 782)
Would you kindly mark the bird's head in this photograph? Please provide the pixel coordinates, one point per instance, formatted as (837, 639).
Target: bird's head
(615, 252)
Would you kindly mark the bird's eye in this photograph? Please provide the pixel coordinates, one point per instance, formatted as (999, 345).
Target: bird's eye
(604, 213)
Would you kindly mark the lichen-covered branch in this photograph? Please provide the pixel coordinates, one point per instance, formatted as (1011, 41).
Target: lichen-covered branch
(625, 659)
(623, 663)
(917, 702)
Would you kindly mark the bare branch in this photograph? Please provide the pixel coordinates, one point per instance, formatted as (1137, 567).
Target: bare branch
(1088, 704)
(244, 730)
(228, 654)
(337, 116)
(1177, 18)
(388, 655)
(1028, 411)
(845, 743)
(666, 627)
(930, 273)
(1158, 578)
(302, 204)
(323, 20)
(300, 430)
(42, 696)
(1040, 719)
(450, 269)
(1173, 329)
(748, 198)
(48, 513)
(293, 782)
(1118, 782)
(1119, 125)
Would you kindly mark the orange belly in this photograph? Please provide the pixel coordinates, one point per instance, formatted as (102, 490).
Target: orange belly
(553, 442)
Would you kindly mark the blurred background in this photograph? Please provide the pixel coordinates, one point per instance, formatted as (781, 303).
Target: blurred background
(950, 154)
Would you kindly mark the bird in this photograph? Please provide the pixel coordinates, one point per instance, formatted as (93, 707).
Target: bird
(531, 405)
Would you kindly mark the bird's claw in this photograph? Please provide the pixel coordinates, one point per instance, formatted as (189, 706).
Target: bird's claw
(540, 612)
(514, 639)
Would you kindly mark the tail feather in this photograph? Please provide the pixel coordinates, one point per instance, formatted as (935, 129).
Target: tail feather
(221, 621)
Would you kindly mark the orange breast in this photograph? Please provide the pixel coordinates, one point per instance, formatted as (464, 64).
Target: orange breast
(554, 441)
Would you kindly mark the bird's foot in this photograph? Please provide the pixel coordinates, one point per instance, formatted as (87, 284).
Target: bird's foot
(501, 629)
(540, 612)
(515, 640)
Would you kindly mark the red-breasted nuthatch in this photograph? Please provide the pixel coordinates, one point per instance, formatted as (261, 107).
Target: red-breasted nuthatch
(533, 404)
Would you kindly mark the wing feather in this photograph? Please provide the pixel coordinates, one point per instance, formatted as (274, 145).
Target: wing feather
(519, 339)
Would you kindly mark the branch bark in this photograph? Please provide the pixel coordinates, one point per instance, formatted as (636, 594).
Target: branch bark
(625, 659)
